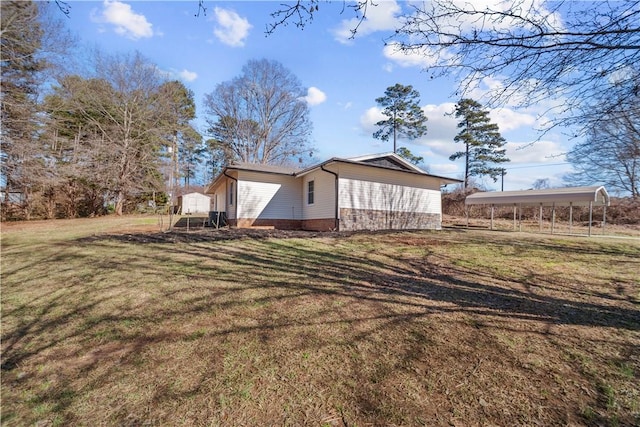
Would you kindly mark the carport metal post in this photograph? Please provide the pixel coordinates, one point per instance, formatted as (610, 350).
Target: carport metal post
(520, 217)
(553, 217)
(570, 216)
(590, 216)
(604, 216)
(491, 217)
(514, 217)
(540, 219)
(466, 213)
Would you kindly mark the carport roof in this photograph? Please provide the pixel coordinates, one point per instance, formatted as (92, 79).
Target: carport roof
(568, 196)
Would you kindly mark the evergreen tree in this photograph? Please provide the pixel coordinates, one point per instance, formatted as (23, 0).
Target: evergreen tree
(405, 153)
(405, 117)
(483, 143)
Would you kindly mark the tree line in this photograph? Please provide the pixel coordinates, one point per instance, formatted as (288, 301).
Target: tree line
(82, 143)
(122, 134)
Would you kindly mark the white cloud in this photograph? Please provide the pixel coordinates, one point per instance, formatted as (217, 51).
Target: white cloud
(231, 28)
(369, 119)
(127, 23)
(418, 57)
(382, 16)
(187, 75)
(536, 152)
(315, 96)
(508, 120)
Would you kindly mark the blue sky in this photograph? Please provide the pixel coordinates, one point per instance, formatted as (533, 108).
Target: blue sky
(343, 76)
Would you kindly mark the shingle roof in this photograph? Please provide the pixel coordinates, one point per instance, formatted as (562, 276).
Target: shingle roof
(285, 170)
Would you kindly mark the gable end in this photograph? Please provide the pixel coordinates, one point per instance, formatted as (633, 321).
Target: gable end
(387, 162)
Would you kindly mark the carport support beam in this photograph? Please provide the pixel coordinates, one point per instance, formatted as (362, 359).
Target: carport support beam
(466, 213)
(514, 217)
(570, 216)
(540, 219)
(491, 217)
(590, 216)
(520, 217)
(604, 217)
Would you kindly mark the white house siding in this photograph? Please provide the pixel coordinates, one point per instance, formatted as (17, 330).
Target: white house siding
(219, 200)
(219, 197)
(269, 196)
(231, 203)
(324, 195)
(371, 198)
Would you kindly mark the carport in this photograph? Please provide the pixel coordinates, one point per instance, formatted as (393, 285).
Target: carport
(568, 196)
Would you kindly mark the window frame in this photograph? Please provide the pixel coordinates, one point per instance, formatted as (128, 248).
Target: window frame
(311, 190)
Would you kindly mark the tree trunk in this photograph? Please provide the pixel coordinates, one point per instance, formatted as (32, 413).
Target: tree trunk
(119, 203)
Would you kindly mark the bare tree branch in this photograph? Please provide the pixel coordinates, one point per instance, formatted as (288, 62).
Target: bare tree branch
(301, 13)
(571, 51)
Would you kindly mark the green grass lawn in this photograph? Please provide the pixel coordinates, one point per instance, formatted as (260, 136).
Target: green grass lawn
(101, 326)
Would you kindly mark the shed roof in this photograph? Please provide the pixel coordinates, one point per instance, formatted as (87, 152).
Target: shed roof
(576, 196)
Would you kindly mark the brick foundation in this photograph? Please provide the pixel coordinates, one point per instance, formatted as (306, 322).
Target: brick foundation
(364, 219)
(324, 224)
(350, 220)
(280, 224)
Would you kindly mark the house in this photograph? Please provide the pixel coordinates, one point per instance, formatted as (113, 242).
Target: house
(372, 192)
(194, 203)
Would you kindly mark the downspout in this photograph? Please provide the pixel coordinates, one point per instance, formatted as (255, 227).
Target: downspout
(236, 195)
(337, 220)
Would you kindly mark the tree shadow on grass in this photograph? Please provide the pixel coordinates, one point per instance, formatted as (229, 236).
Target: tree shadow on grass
(285, 271)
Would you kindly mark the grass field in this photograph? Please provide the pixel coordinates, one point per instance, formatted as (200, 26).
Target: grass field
(109, 322)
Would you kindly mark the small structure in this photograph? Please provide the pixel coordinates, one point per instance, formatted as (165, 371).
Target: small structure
(374, 192)
(568, 196)
(194, 203)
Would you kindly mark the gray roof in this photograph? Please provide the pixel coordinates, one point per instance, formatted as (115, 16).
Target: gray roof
(575, 196)
(389, 161)
(369, 161)
(256, 167)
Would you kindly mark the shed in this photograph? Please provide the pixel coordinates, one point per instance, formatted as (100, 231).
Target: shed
(568, 196)
(194, 203)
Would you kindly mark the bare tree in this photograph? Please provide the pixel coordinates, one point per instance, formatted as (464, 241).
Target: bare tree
(610, 155)
(541, 184)
(260, 116)
(569, 51)
(301, 13)
(127, 116)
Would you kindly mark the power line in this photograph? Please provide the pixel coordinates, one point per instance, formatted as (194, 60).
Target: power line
(537, 166)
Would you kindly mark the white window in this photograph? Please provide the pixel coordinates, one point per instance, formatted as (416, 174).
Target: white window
(310, 192)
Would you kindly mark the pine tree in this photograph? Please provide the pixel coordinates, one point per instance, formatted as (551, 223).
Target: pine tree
(483, 143)
(405, 117)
